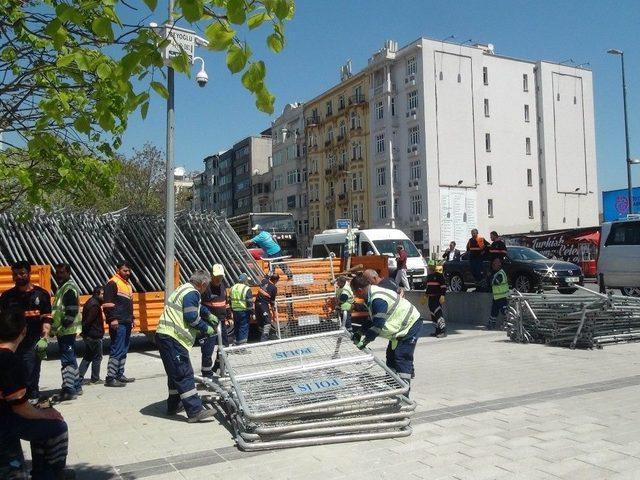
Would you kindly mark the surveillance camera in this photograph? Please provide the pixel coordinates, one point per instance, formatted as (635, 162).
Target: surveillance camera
(202, 78)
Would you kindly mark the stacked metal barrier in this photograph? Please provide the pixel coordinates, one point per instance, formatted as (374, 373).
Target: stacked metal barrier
(309, 390)
(306, 297)
(584, 321)
(93, 243)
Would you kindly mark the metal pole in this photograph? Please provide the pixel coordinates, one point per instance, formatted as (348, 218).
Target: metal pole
(169, 233)
(626, 136)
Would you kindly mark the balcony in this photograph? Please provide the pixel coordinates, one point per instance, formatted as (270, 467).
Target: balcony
(327, 143)
(356, 99)
(313, 121)
(313, 147)
(327, 172)
(343, 199)
(330, 201)
(340, 139)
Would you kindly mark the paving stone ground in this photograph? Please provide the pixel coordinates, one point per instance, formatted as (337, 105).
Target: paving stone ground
(488, 409)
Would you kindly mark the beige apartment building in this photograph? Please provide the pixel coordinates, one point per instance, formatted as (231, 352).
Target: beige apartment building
(337, 134)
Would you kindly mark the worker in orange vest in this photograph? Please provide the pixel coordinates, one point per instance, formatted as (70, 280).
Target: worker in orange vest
(475, 252)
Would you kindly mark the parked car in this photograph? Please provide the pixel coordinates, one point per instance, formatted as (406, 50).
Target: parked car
(619, 260)
(528, 271)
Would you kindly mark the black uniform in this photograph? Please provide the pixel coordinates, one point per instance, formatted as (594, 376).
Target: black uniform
(36, 305)
(436, 287)
(265, 300)
(497, 249)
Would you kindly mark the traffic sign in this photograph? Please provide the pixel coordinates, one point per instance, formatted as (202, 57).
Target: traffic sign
(343, 223)
(179, 39)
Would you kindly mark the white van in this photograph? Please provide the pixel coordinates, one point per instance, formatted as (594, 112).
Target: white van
(619, 259)
(376, 241)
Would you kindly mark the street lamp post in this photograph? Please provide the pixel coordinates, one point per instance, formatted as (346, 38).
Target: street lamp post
(169, 219)
(614, 51)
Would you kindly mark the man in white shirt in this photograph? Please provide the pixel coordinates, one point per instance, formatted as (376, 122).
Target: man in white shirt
(452, 253)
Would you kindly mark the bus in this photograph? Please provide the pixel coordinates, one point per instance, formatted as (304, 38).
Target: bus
(278, 224)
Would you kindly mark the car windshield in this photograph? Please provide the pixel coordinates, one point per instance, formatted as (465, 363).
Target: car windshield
(388, 247)
(524, 253)
(274, 223)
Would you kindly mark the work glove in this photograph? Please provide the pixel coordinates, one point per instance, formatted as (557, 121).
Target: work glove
(356, 336)
(362, 343)
(41, 348)
(213, 320)
(210, 331)
(423, 300)
(441, 299)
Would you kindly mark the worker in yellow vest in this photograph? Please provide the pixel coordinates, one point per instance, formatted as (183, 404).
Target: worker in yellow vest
(242, 308)
(500, 290)
(344, 300)
(393, 318)
(178, 327)
(66, 325)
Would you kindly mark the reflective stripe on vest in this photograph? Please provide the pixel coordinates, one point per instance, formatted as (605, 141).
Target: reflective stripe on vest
(58, 311)
(172, 322)
(500, 285)
(401, 315)
(239, 297)
(348, 303)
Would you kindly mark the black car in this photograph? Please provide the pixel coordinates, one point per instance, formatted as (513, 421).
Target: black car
(528, 271)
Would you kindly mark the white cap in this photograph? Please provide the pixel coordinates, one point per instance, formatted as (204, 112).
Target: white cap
(255, 227)
(217, 270)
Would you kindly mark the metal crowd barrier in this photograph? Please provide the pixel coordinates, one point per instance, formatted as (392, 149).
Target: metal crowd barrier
(309, 390)
(584, 321)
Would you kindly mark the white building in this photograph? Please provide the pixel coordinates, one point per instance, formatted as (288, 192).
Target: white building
(289, 168)
(475, 139)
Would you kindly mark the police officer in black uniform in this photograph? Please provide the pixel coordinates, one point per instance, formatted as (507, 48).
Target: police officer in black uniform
(265, 304)
(35, 303)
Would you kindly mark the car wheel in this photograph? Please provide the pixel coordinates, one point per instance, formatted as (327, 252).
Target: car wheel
(631, 291)
(523, 283)
(567, 291)
(456, 283)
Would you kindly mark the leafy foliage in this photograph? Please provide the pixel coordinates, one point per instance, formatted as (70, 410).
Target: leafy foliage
(71, 74)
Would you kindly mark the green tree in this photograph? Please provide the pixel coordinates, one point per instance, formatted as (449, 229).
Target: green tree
(72, 73)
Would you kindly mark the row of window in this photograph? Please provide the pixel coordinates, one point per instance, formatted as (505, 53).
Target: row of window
(487, 144)
(529, 176)
(490, 208)
(525, 79)
(357, 215)
(487, 111)
(357, 93)
(415, 207)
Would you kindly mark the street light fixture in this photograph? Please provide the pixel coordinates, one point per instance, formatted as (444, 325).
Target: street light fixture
(614, 51)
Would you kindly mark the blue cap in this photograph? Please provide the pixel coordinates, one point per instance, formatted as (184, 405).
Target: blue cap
(243, 277)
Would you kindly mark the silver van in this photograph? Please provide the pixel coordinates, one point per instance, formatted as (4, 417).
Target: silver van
(619, 259)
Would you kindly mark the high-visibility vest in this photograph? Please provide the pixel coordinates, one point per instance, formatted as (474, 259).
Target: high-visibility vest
(348, 303)
(499, 285)
(58, 311)
(401, 315)
(239, 297)
(172, 322)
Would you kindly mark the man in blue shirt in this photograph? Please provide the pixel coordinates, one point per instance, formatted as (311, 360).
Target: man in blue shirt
(265, 241)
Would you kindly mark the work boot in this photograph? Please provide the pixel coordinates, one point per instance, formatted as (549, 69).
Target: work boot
(114, 383)
(97, 381)
(66, 474)
(79, 391)
(66, 396)
(202, 416)
(175, 411)
(124, 379)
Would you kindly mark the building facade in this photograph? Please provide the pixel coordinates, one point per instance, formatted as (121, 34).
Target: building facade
(463, 138)
(226, 185)
(337, 134)
(289, 168)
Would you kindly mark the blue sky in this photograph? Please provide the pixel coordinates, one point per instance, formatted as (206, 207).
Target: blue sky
(325, 33)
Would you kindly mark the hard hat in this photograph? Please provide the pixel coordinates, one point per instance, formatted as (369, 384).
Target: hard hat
(243, 277)
(217, 270)
(255, 227)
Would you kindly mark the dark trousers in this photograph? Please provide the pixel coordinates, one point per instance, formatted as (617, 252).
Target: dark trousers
(177, 365)
(69, 364)
(265, 322)
(497, 307)
(49, 444)
(27, 352)
(207, 347)
(282, 266)
(92, 356)
(476, 266)
(241, 326)
(118, 350)
(400, 358)
(436, 313)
